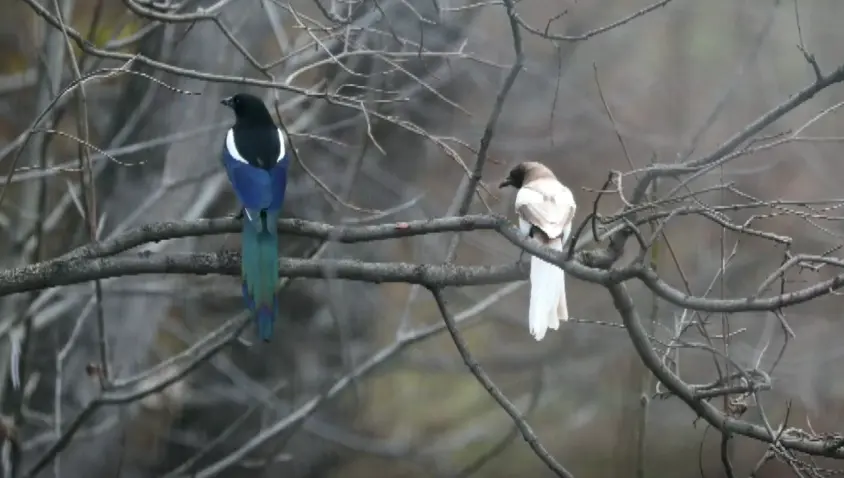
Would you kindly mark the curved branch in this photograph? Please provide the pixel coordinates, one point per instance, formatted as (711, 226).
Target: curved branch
(653, 282)
(624, 305)
(479, 373)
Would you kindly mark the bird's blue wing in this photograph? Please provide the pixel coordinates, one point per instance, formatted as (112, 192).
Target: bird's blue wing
(253, 186)
(278, 180)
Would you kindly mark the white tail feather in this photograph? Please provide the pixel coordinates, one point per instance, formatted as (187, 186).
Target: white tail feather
(547, 295)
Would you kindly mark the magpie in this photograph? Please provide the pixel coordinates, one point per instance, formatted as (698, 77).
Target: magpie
(256, 161)
(545, 208)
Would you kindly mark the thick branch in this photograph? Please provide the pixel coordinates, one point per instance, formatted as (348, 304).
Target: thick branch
(74, 271)
(90, 262)
(162, 231)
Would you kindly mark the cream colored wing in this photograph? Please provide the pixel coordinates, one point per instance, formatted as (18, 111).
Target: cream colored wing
(546, 204)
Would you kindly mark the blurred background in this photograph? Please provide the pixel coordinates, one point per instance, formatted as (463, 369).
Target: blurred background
(679, 80)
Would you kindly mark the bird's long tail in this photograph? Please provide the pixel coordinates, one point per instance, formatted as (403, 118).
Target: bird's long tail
(260, 270)
(547, 295)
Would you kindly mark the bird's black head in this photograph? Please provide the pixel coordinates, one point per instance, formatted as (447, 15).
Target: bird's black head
(248, 109)
(516, 177)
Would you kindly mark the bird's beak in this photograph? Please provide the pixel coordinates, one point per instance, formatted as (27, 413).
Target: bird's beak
(505, 183)
(226, 102)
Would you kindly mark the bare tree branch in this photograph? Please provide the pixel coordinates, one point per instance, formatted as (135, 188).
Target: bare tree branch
(495, 393)
(78, 268)
(624, 304)
(365, 91)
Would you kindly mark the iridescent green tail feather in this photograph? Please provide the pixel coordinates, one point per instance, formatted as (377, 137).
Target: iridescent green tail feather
(259, 246)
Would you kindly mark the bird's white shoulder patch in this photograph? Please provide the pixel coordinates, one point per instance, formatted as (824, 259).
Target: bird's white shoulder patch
(231, 148)
(546, 204)
(527, 196)
(282, 143)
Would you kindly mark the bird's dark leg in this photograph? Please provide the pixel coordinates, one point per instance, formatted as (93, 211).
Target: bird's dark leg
(529, 235)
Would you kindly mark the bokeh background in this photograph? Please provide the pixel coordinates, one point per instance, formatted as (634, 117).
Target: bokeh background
(679, 79)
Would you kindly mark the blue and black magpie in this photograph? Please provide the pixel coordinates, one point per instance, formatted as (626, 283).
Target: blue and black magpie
(256, 160)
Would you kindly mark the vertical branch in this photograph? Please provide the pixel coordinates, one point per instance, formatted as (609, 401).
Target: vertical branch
(646, 377)
(469, 184)
(89, 218)
(631, 444)
(87, 190)
(726, 449)
(497, 107)
(35, 201)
